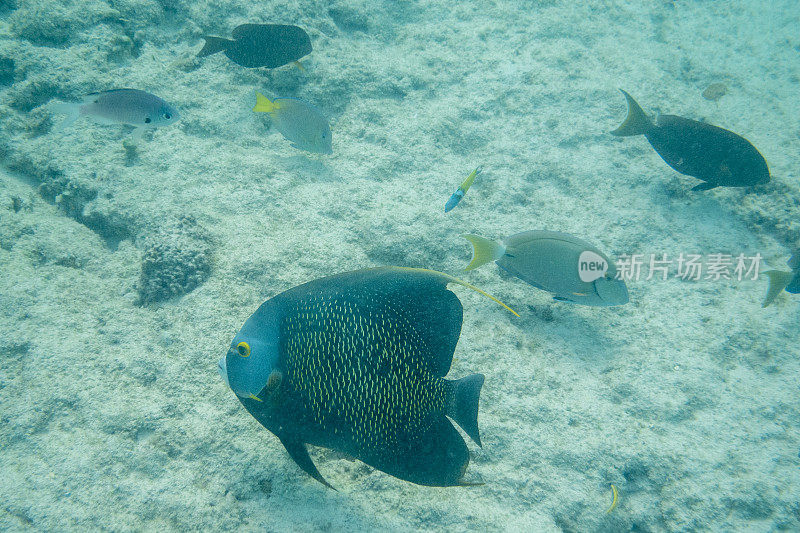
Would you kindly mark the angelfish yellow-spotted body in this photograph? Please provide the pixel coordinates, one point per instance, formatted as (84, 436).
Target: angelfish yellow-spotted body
(356, 362)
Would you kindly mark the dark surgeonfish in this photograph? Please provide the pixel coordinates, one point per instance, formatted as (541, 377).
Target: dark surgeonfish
(261, 45)
(356, 362)
(780, 280)
(718, 157)
(571, 269)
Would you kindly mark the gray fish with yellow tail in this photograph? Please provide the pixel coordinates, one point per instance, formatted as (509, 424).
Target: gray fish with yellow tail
(299, 122)
(356, 362)
(571, 269)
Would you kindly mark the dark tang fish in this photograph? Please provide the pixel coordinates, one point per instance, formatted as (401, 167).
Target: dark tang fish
(356, 362)
(717, 156)
(261, 45)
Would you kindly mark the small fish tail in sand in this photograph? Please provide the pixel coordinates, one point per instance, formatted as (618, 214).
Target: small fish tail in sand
(614, 499)
(483, 251)
(72, 110)
(214, 45)
(263, 104)
(636, 123)
(778, 281)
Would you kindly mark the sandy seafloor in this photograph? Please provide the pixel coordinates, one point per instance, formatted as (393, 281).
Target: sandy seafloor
(112, 413)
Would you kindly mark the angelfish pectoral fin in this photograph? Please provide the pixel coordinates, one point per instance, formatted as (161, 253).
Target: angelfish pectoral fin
(299, 453)
(274, 381)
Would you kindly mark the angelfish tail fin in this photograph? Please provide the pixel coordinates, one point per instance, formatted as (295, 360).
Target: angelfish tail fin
(778, 281)
(72, 110)
(263, 104)
(463, 405)
(483, 251)
(636, 123)
(214, 45)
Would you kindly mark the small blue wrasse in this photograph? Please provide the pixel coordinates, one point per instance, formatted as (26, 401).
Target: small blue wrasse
(461, 191)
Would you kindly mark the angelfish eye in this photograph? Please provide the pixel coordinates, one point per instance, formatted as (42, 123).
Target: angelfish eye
(244, 349)
(147, 120)
(167, 116)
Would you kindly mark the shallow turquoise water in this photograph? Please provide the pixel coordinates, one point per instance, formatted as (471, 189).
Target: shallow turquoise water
(127, 267)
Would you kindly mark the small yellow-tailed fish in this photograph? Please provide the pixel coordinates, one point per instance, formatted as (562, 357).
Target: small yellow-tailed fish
(298, 121)
(461, 191)
(614, 499)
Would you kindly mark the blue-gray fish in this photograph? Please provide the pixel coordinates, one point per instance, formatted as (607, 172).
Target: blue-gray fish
(356, 362)
(717, 156)
(261, 45)
(571, 269)
(299, 122)
(120, 106)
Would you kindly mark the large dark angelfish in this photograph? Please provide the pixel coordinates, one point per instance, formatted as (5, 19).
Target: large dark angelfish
(356, 362)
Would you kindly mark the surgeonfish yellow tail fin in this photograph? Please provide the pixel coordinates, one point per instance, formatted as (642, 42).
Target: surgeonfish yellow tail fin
(263, 104)
(636, 123)
(483, 251)
(778, 280)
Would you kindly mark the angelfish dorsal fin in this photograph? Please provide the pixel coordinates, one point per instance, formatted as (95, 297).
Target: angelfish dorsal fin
(453, 279)
(274, 381)
(299, 453)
